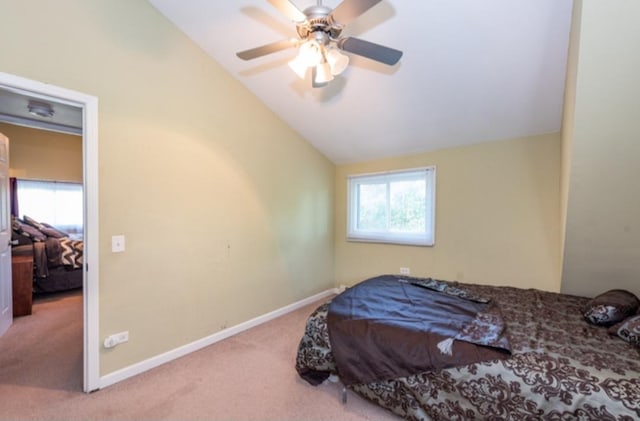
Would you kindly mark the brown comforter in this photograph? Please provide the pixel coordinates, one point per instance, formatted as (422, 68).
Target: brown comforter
(389, 327)
(561, 368)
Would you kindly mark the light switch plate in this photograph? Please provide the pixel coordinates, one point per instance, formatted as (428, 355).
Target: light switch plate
(117, 244)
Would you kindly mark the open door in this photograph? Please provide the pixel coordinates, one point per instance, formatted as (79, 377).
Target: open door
(6, 300)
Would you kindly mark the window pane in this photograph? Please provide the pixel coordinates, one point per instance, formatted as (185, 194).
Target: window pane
(392, 207)
(407, 201)
(372, 207)
(57, 203)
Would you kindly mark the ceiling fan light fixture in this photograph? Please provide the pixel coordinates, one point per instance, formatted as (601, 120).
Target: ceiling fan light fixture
(299, 67)
(310, 53)
(323, 73)
(337, 61)
(40, 109)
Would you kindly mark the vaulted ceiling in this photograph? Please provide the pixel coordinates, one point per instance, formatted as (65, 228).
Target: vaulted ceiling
(472, 71)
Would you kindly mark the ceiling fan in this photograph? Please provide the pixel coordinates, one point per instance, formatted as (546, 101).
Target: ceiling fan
(319, 43)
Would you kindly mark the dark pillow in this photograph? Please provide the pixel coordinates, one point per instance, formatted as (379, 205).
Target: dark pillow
(629, 329)
(18, 239)
(28, 230)
(52, 231)
(611, 307)
(30, 221)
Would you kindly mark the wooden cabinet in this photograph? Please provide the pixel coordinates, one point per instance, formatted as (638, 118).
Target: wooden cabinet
(22, 277)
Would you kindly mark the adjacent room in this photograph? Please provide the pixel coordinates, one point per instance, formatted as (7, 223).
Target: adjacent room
(230, 179)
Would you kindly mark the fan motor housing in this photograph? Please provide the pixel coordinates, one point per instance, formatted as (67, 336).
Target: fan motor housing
(318, 21)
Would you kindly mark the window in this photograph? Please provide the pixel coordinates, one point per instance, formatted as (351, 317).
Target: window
(392, 207)
(53, 202)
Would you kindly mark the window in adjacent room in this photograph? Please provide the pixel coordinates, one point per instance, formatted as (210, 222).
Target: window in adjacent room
(54, 202)
(392, 207)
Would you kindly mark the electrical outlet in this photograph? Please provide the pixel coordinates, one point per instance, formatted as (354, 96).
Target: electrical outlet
(122, 337)
(116, 339)
(405, 271)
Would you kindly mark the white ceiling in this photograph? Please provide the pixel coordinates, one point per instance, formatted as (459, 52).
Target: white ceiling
(472, 71)
(14, 110)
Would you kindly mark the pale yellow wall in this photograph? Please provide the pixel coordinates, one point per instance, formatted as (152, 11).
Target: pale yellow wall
(603, 213)
(568, 118)
(43, 155)
(497, 218)
(227, 212)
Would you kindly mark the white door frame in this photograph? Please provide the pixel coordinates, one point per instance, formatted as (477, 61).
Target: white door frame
(89, 105)
(6, 303)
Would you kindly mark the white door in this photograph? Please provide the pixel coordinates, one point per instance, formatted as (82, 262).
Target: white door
(6, 300)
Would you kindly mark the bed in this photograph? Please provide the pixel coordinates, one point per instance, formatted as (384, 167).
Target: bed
(555, 356)
(57, 258)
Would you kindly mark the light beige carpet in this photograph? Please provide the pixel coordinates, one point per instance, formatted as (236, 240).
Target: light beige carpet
(250, 376)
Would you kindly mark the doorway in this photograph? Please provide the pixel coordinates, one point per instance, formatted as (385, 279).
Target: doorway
(89, 106)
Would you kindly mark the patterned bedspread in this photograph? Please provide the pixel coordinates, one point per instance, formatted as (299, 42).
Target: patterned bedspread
(561, 368)
(55, 252)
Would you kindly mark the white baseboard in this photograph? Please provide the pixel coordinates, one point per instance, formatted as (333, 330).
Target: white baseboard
(148, 364)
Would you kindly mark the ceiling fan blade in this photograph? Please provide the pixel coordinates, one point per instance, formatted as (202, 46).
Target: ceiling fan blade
(348, 10)
(370, 50)
(289, 9)
(263, 50)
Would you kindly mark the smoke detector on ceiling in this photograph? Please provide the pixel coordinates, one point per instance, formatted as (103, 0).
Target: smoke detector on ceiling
(40, 109)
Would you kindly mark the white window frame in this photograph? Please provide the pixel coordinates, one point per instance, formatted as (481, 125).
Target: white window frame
(426, 238)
